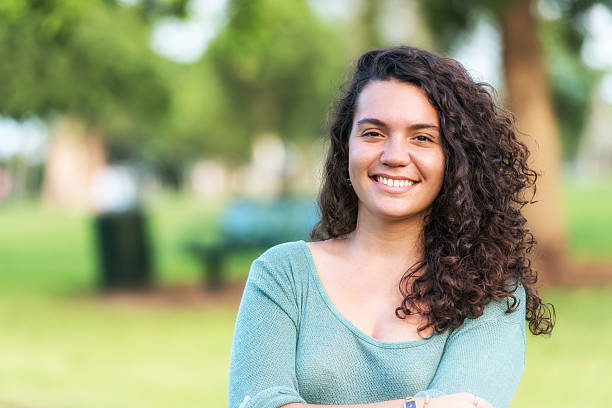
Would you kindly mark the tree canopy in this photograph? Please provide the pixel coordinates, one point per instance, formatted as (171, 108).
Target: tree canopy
(274, 67)
(278, 67)
(87, 59)
(562, 37)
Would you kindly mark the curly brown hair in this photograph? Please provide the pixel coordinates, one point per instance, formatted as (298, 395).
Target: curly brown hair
(475, 239)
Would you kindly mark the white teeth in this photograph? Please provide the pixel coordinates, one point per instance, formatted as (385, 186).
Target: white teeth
(394, 183)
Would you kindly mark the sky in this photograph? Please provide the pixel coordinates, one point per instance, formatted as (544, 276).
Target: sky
(185, 41)
(25, 139)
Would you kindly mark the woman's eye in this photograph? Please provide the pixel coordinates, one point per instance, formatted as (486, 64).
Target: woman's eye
(372, 134)
(422, 138)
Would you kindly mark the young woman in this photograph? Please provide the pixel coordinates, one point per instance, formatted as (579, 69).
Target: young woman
(417, 287)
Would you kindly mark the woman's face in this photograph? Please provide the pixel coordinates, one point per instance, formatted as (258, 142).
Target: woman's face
(396, 161)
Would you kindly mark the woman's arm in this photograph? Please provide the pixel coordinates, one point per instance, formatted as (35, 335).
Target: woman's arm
(459, 400)
(262, 362)
(383, 404)
(485, 356)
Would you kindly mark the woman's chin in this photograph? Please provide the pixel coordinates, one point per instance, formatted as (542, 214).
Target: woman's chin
(397, 214)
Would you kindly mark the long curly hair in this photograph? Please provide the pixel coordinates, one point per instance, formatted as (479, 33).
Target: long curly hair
(475, 239)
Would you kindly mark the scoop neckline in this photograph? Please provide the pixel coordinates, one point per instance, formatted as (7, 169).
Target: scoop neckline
(353, 328)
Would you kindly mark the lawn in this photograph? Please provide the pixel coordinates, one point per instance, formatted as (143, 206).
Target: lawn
(589, 215)
(571, 367)
(86, 352)
(82, 352)
(64, 346)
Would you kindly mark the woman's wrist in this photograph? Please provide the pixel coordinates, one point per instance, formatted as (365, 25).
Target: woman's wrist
(419, 402)
(424, 402)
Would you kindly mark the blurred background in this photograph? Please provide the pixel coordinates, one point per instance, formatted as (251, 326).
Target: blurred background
(151, 149)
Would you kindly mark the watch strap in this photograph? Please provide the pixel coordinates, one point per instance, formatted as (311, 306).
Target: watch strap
(409, 402)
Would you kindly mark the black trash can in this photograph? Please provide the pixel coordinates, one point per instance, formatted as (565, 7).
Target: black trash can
(124, 252)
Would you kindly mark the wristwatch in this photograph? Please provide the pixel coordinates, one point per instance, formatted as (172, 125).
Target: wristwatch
(409, 402)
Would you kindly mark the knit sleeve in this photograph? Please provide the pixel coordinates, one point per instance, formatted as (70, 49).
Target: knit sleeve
(262, 363)
(485, 356)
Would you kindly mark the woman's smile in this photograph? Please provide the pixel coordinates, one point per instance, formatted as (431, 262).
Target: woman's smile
(394, 185)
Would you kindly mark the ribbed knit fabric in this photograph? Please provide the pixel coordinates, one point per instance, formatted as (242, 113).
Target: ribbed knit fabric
(291, 344)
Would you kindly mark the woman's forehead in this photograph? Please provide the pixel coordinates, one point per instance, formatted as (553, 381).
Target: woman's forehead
(395, 103)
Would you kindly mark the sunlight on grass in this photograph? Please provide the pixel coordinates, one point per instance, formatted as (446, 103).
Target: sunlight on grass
(571, 367)
(79, 351)
(589, 214)
(88, 353)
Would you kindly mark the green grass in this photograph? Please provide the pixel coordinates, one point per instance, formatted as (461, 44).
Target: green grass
(77, 351)
(571, 367)
(62, 346)
(589, 214)
(45, 250)
(80, 352)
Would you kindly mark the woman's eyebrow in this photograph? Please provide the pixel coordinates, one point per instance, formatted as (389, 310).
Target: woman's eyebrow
(418, 126)
(414, 126)
(372, 121)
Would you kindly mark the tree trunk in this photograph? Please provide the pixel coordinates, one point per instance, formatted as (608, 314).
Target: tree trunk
(528, 96)
(75, 155)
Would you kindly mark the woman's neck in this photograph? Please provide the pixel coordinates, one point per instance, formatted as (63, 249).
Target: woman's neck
(380, 241)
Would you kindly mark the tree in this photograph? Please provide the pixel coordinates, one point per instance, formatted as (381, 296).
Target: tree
(528, 89)
(90, 60)
(87, 67)
(278, 67)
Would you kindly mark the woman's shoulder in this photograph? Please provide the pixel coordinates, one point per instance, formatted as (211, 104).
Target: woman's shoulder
(284, 265)
(283, 253)
(497, 312)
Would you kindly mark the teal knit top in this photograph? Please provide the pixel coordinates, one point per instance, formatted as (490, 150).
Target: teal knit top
(291, 344)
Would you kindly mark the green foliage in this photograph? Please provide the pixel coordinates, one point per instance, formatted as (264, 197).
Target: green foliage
(278, 66)
(571, 80)
(449, 19)
(151, 9)
(200, 118)
(273, 68)
(88, 59)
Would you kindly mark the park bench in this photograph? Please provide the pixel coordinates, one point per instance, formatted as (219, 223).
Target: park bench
(250, 225)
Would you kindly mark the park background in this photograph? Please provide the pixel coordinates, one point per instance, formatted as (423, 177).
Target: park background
(172, 109)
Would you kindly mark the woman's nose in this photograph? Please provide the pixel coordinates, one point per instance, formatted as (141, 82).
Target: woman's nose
(396, 152)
